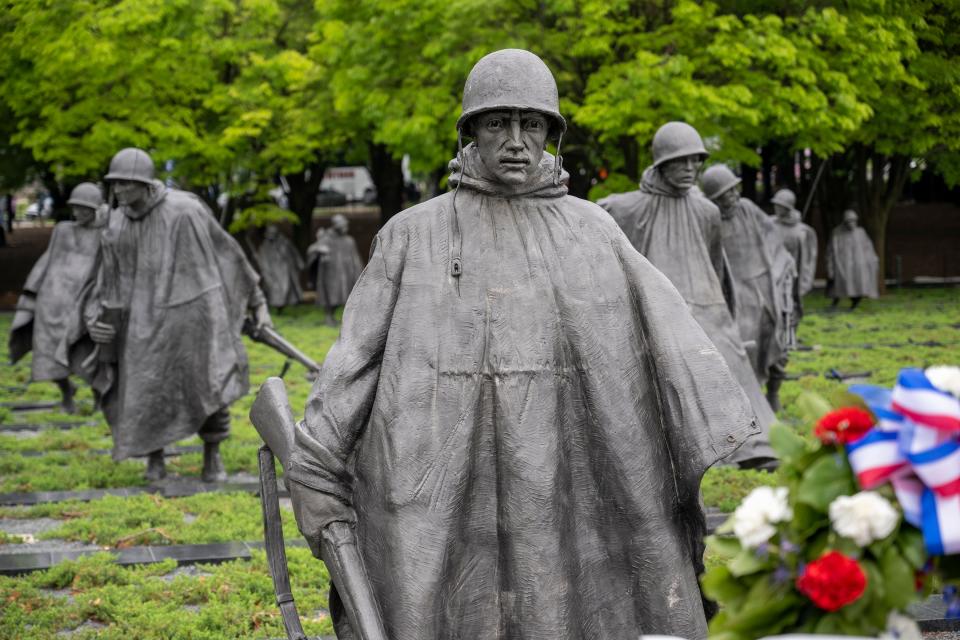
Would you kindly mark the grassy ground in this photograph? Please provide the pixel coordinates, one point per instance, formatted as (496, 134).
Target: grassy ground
(906, 328)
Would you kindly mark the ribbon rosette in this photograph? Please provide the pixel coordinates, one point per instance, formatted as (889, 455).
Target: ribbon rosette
(915, 445)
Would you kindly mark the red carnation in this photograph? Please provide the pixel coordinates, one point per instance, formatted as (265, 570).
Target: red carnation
(832, 581)
(843, 426)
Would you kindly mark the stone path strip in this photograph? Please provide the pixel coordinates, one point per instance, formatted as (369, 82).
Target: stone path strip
(166, 489)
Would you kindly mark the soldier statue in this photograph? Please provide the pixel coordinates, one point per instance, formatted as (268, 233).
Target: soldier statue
(280, 266)
(172, 292)
(49, 307)
(334, 265)
(520, 407)
(678, 230)
(800, 241)
(763, 274)
(852, 263)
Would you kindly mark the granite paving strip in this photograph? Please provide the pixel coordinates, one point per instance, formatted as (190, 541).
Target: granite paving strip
(171, 488)
(184, 554)
(33, 426)
(167, 452)
(39, 405)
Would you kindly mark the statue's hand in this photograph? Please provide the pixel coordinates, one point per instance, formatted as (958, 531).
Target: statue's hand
(102, 333)
(314, 510)
(261, 317)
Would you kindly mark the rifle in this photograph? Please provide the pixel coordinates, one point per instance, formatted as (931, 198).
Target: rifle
(270, 337)
(272, 418)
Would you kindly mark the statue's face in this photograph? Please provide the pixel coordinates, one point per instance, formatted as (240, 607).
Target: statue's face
(781, 211)
(728, 199)
(850, 222)
(681, 173)
(511, 143)
(340, 224)
(271, 232)
(83, 215)
(130, 192)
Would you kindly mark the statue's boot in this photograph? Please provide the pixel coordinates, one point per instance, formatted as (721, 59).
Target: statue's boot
(156, 466)
(854, 302)
(66, 396)
(773, 393)
(213, 470)
(331, 318)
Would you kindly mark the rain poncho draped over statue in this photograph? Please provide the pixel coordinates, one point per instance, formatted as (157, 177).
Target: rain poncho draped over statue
(183, 285)
(523, 443)
(679, 232)
(335, 265)
(280, 266)
(801, 241)
(50, 307)
(763, 273)
(851, 264)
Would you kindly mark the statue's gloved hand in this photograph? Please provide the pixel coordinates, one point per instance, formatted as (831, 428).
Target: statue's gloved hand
(261, 316)
(102, 333)
(314, 510)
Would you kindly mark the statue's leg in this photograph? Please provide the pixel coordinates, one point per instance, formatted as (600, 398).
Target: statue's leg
(156, 466)
(854, 302)
(775, 377)
(836, 301)
(215, 430)
(331, 317)
(66, 395)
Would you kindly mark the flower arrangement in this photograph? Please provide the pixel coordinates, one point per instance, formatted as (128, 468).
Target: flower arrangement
(868, 514)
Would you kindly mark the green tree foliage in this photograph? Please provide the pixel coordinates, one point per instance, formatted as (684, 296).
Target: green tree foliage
(223, 88)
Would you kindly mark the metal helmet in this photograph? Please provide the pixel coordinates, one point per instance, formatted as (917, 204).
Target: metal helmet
(676, 140)
(86, 194)
(850, 216)
(511, 79)
(131, 164)
(785, 198)
(717, 180)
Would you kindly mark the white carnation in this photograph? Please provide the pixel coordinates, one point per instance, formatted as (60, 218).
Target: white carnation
(754, 519)
(945, 378)
(864, 517)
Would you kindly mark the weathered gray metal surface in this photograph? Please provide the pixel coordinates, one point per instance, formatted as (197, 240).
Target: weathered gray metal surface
(280, 267)
(679, 231)
(852, 263)
(520, 439)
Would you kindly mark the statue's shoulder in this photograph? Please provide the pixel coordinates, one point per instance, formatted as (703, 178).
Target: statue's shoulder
(591, 213)
(618, 201)
(418, 217)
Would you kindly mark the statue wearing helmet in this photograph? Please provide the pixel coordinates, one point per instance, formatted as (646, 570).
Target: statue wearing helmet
(280, 266)
(49, 300)
(677, 229)
(173, 290)
(763, 273)
(505, 416)
(800, 240)
(852, 263)
(334, 264)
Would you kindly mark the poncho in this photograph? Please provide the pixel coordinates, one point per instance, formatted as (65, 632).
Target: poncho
(280, 265)
(523, 443)
(680, 233)
(54, 282)
(184, 286)
(801, 241)
(335, 265)
(763, 274)
(851, 264)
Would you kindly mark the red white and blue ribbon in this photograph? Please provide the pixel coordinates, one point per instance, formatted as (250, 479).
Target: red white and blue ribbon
(915, 445)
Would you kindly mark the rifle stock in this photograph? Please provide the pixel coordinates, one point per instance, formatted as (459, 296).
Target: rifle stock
(273, 420)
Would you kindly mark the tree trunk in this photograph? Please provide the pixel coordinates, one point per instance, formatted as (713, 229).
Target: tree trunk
(631, 158)
(879, 181)
(302, 199)
(387, 175)
(749, 176)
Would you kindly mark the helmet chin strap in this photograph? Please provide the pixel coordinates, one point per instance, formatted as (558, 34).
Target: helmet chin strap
(456, 260)
(558, 162)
